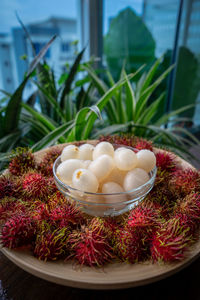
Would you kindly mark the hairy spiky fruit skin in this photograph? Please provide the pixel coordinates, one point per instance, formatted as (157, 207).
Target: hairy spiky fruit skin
(141, 144)
(188, 224)
(143, 217)
(35, 185)
(127, 140)
(6, 206)
(90, 246)
(170, 242)
(133, 241)
(39, 212)
(66, 215)
(50, 245)
(166, 161)
(17, 231)
(7, 187)
(185, 181)
(46, 165)
(131, 245)
(22, 162)
(190, 206)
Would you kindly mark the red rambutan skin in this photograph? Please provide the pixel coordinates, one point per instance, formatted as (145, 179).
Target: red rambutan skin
(35, 185)
(131, 245)
(190, 206)
(11, 207)
(39, 212)
(170, 242)
(7, 187)
(141, 144)
(17, 231)
(186, 222)
(90, 246)
(185, 181)
(50, 245)
(133, 241)
(22, 162)
(143, 217)
(166, 161)
(46, 165)
(66, 215)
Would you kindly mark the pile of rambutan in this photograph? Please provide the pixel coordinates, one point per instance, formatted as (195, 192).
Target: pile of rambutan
(34, 214)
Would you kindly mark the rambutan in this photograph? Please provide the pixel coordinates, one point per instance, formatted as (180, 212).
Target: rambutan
(170, 242)
(131, 245)
(6, 186)
(6, 206)
(39, 211)
(90, 246)
(35, 185)
(190, 206)
(166, 161)
(22, 162)
(141, 144)
(46, 165)
(17, 231)
(66, 215)
(143, 217)
(51, 185)
(56, 199)
(133, 241)
(184, 221)
(50, 245)
(185, 181)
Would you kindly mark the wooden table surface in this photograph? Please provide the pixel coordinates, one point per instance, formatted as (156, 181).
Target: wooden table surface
(16, 284)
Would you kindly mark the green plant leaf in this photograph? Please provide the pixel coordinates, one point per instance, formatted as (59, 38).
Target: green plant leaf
(165, 118)
(70, 78)
(142, 101)
(130, 100)
(101, 104)
(151, 110)
(53, 136)
(150, 74)
(39, 117)
(52, 101)
(111, 129)
(13, 108)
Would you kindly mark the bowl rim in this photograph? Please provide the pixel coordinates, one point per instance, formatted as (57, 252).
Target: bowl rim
(68, 187)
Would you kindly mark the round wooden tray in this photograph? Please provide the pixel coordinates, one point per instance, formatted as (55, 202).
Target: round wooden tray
(112, 276)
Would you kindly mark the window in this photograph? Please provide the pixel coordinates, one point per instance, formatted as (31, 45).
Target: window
(43, 19)
(39, 46)
(65, 47)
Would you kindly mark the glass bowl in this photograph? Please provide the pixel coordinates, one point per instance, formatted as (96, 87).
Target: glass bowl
(94, 203)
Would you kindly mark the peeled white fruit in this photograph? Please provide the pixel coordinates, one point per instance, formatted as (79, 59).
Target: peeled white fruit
(110, 188)
(134, 179)
(116, 175)
(103, 148)
(86, 163)
(102, 166)
(146, 160)
(86, 151)
(85, 180)
(125, 159)
(70, 151)
(119, 149)
(66, 169)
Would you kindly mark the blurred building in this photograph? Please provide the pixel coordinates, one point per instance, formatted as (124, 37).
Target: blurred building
(16, 52)
(7, 78)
